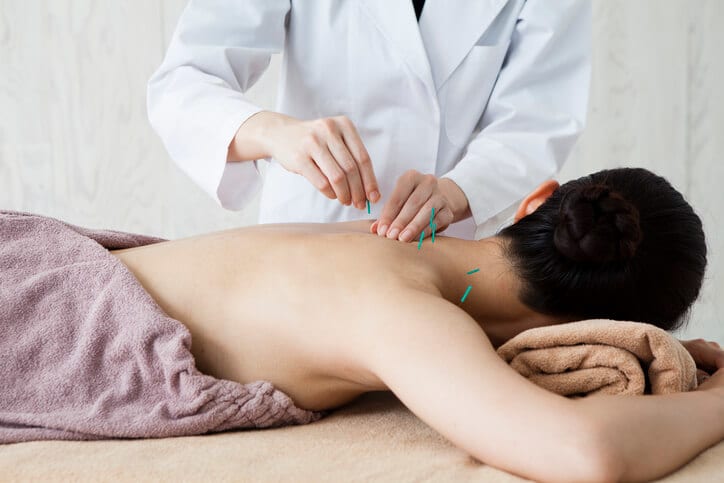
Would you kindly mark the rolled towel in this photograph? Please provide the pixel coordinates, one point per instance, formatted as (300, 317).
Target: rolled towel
(602, 357)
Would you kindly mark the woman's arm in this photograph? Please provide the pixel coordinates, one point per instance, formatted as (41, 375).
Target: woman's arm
(440, 363)
(654, 435)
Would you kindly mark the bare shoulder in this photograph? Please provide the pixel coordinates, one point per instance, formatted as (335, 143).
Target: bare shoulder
(442, 366)
(420, 322)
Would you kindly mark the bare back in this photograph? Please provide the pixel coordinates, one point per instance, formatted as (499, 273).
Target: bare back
(291, 304)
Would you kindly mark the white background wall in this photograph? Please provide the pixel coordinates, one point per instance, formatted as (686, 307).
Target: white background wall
(75, 142)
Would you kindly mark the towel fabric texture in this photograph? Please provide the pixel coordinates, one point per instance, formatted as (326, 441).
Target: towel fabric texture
(88, 354)
(602, 357)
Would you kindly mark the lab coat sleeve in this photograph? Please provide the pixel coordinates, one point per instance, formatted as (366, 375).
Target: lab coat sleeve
(535, 112)
(195, 98)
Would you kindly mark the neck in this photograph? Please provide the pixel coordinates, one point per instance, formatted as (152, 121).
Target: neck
(493, 297)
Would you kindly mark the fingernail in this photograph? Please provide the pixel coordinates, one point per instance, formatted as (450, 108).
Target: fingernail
(393, 233)
(405, 236)
(382, 231)
(374, 196)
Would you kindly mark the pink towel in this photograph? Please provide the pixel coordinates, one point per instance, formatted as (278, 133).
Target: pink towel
(85, 352)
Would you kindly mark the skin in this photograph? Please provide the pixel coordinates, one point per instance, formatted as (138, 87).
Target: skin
(328, 312)
(330, 154)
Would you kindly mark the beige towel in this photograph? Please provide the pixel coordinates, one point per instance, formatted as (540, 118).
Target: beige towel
(602, 357)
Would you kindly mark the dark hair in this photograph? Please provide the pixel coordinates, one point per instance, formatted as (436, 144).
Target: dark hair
(620, 244)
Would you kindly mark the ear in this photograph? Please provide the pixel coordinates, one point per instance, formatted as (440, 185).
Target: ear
(536, 198)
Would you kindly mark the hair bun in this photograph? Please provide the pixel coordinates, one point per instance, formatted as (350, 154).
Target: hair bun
(597, 225)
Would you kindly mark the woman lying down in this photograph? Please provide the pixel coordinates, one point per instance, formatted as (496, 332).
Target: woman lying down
(324, 313)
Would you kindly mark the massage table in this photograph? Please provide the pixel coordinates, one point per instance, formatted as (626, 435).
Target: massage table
(375, 438)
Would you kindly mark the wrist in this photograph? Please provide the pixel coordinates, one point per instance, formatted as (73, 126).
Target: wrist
(255, 137)
(456, 197)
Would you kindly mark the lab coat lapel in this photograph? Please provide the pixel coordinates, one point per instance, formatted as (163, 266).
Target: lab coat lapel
(396, 20)
(450, 28)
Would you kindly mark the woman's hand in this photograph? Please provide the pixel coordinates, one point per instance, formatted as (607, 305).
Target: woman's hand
(407, 213)
(709, 357)
(328, 152)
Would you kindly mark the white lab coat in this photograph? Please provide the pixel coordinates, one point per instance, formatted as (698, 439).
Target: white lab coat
(489, 93)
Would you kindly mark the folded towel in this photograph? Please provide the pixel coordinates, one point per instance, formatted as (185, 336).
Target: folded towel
(602, 357)
(86, 353)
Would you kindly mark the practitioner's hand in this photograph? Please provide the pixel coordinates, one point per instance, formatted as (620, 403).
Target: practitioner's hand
(328, 152)
(407, 212)
(708, 355)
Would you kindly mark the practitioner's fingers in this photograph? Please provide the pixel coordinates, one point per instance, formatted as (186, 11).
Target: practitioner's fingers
(357, 148)
(443, 215)
(334, 173)
(310, 171)
(405, 185)
(424, 221)
(402, 227)
(335, 146)
(345, 161)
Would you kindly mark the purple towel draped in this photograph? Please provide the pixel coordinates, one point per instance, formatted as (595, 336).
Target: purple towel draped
(86, 353)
